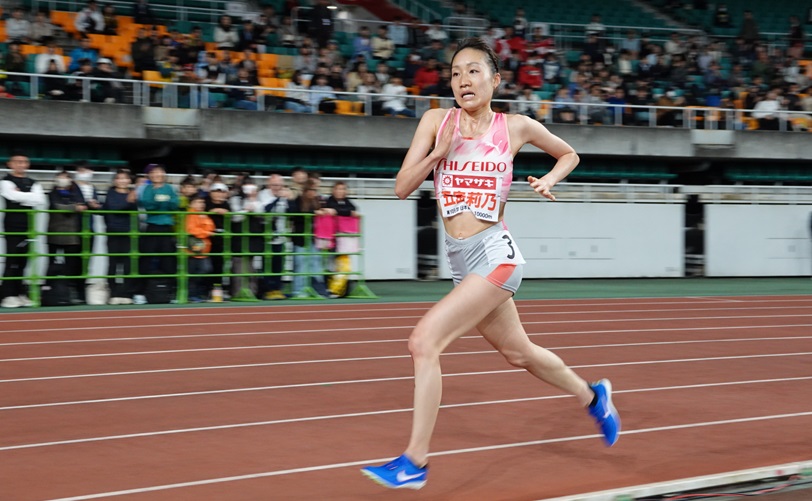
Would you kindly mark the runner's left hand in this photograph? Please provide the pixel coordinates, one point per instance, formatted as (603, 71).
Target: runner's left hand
(542, 187)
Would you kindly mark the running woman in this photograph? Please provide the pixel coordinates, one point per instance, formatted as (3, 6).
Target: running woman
(471, 152)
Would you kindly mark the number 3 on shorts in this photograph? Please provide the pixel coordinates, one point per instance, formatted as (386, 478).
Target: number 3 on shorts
(501, 249)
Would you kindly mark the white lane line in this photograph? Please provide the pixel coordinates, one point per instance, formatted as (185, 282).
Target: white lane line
(524, 309)
(354, 329)
(342, 343)
(366, 319)
(333, 466)
(381, 412)
(375, 380)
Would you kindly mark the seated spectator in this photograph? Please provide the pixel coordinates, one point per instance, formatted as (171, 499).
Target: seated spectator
(436, 50)
(225, 36)
(670, 117)
(14, 62)
(371, 85)
(395, 98)
(120, 197)
(428, 74)
(296, 99)
(247, 36)
(641, 98)
(244, 95)
(64, 240)
(286, 34)
(382, 73)
(249, 64)
(53, 86)
(520, 23)
(142, 52)
(356, 75)
(766, 111)
(336, 78)
(619, 114)
(84, 51)
(528, 103)
(530, 76)
(41, 29)
(4, 94)
(631, 44)
(142, 13)
(399, 32)
(89, 19)
(795, 37)
(362, 44)
(595, 27)
(200, 229)
(305, 61)
(18, 28)
(108, 91)
(323, 98)
(110, 20)
(382, 46)
(443, 86)
(43, 61)
(436, 32)
(74, 90)
(749, 30)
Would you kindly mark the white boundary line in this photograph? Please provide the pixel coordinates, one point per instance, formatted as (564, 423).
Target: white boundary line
(377, 341)
(522, 310)
(310, 469)
(692, 483)
(353, 329)
(377, 413)
(374, 380)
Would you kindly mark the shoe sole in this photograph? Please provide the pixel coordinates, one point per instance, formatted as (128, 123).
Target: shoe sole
(378, 480)
(612, 409)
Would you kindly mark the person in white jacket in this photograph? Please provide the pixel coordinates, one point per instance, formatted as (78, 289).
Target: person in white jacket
(395, 98)
(19, 192)
(89, 19)
(43, 61)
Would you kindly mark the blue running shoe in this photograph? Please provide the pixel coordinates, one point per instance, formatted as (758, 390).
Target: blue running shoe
(604, 412)
(400, 473)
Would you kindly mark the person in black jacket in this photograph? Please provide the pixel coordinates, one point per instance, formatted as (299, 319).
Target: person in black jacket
(120, 197)
(339, 205)
(19, 192)
(306, 260)
(64, 239)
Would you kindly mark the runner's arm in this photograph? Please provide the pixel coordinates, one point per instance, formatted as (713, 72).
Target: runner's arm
(418, 161)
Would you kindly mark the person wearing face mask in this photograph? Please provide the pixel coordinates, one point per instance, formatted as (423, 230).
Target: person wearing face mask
(120, 197)
(83, 178)
(247, 226)
(64, 242)
(19, 192)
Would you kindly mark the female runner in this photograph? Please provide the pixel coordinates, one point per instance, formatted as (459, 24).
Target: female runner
(471, 152)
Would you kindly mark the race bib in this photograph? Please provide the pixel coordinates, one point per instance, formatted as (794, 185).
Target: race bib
(501, 249)
(479, 194)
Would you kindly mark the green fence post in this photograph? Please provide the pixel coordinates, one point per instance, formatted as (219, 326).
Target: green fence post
(182, 277)
(32, 259)
(360, 291)
(244, 293)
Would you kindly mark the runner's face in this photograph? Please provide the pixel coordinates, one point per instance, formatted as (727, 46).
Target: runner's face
(472, 79)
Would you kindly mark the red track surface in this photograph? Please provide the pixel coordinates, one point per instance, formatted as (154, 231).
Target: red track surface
(251, 403)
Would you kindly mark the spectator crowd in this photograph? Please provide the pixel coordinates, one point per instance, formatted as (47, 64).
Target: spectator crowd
(243, 229)
(684, 70)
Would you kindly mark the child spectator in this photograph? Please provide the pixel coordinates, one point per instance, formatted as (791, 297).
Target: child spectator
(199, 228)
(188, 191)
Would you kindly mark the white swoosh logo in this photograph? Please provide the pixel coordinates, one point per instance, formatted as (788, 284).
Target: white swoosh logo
(403, 477)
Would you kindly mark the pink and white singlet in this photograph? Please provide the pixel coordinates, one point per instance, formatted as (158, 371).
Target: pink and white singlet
(477, 172)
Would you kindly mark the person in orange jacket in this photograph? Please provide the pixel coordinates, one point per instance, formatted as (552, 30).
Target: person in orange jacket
(199, 228)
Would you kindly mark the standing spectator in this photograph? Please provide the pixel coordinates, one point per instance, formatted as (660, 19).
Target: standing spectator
(321, 22)
(84, 51)
(395, 98)
(142, 13)
(520, 23)
(157, 198)
(19, 192)
(382, 46)
(225, 36)
(595, 27)
(65, 246)
(110, 20)
(306, 260)
(89, 19)
(200, 229)
(217, 203)
(41, 29)
(274, 200)
(749, 29)
(338, 205)
(18, 28)
(120, 197)
(248, 242)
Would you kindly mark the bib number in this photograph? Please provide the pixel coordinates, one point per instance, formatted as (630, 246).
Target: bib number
(501, 249)
(480, 195)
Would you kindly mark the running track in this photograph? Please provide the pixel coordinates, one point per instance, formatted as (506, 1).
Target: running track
(286, 402)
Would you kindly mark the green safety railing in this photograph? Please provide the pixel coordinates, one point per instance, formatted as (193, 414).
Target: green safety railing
(38, 238)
